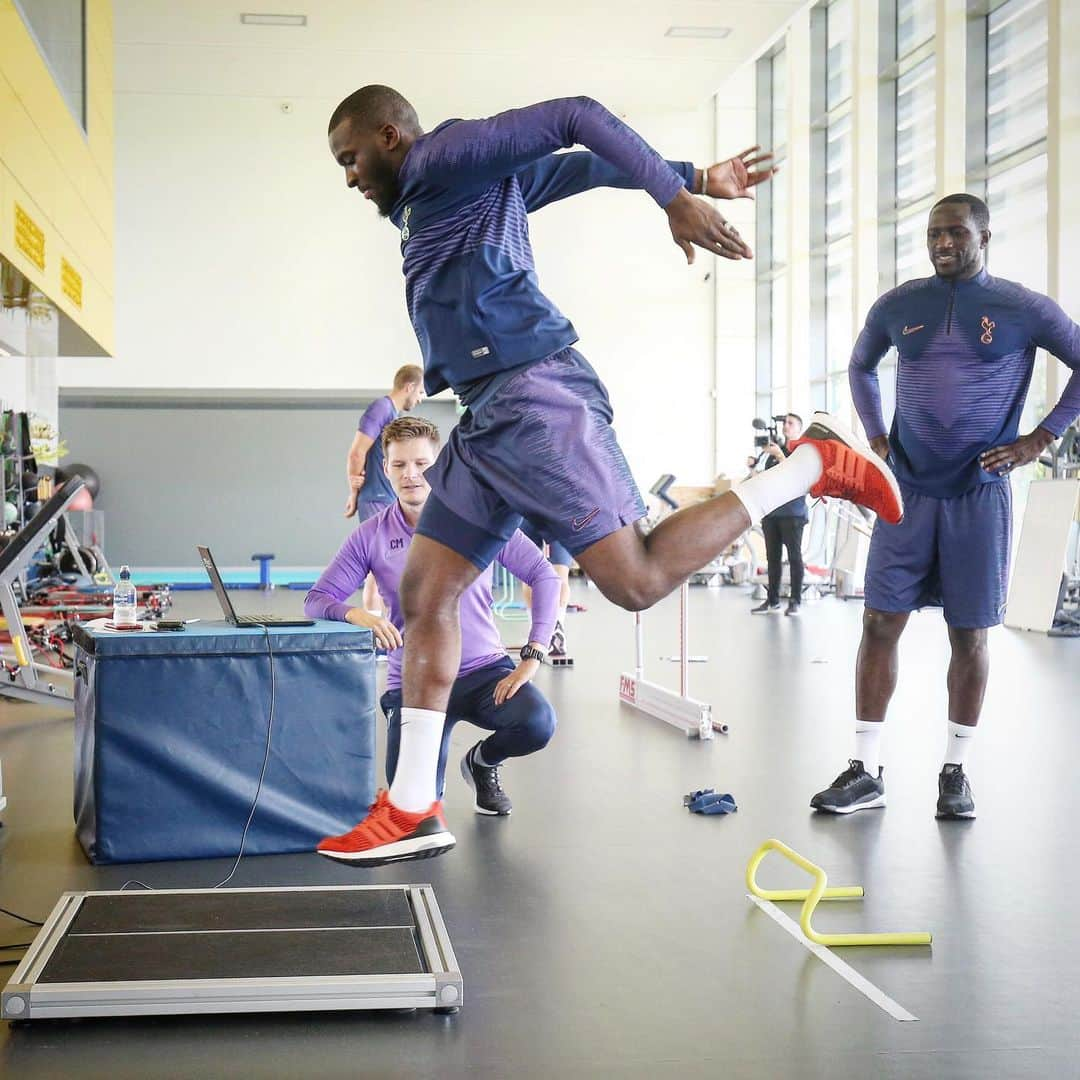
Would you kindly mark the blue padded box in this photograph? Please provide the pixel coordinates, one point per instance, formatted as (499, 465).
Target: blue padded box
(170, 732)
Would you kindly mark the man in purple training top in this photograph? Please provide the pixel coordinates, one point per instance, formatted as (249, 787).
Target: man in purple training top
(966, 343)
(536, 439)
(489, 691)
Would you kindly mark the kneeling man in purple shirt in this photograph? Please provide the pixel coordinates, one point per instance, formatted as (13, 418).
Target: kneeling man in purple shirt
(490, 690)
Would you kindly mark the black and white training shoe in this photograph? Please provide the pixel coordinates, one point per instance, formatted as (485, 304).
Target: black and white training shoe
(767, 607)
(484, 780)
(854, 789)
(954, 794)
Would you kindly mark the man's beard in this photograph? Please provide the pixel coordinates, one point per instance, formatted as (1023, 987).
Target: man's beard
(384, 188)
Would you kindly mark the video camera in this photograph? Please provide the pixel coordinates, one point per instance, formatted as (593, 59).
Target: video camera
(772, 429)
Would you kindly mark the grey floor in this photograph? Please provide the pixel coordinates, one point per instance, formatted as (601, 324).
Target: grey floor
(604, 932)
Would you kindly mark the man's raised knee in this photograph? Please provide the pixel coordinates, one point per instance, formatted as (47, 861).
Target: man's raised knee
(632, 595)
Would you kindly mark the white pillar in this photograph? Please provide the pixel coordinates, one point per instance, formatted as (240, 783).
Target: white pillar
(951, 77)
(866, 163)
(797, 279)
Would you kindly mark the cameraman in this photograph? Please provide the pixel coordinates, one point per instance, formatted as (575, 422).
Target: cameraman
(783, 528)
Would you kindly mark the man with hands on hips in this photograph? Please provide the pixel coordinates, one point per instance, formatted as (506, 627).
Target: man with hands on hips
(966, 344)
(490, 690)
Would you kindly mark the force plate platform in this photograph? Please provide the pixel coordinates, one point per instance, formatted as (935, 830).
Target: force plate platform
(237, 950)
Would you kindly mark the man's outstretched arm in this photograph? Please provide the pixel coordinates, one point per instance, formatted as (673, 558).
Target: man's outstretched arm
(475, 153)
(559, 176)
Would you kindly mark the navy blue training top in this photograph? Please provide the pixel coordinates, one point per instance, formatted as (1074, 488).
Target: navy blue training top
(966, 350)
(466, 189)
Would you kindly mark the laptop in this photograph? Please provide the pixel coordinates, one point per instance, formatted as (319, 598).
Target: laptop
(226, 604)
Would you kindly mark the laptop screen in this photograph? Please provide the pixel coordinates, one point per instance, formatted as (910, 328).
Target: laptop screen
(219, 585)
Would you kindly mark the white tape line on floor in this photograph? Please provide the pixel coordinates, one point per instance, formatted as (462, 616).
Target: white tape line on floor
(864, 986)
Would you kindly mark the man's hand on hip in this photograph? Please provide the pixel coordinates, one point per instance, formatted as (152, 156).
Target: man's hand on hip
(880, 446)
(694, 222)
(1003, 459)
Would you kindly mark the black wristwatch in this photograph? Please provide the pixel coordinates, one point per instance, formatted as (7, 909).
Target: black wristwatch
(531, 652)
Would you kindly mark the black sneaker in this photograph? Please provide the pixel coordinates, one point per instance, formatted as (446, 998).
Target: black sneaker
(767, 608)
(854, 789)
(954, 794)
(793, 608)
(484, 780)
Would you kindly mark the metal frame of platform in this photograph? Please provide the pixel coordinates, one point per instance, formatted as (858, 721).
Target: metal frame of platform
(28, 997)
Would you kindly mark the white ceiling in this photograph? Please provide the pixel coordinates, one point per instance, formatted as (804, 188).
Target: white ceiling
(451, 57)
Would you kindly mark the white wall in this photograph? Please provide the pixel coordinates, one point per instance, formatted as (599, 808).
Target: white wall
(244, 262)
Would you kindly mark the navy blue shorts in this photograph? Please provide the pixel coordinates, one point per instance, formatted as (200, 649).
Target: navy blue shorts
(949, 553)
(557, 554)
(541, 447)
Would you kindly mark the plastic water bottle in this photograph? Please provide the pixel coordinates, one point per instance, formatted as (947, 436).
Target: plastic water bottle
(125, 611)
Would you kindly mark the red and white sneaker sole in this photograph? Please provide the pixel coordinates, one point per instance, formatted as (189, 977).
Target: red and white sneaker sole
(414, 847)
(845, 435)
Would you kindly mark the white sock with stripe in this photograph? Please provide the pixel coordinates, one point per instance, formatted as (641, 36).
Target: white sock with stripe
(413, 787)
(767, 490)
(959, 741)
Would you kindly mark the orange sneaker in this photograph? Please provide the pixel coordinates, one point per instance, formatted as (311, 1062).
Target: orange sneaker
(389, 834)
(851, 470)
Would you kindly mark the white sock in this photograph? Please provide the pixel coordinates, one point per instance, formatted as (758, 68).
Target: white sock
(767, 490)
(958, 743)
(413, 788)
(868, 742)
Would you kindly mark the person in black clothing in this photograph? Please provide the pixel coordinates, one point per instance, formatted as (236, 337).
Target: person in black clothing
(783, 528)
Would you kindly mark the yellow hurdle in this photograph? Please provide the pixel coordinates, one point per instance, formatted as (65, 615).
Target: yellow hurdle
(820, 891)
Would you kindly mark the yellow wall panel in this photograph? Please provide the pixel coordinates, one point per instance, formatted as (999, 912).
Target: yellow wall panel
(61, 176)
(99, 25)
(96, 314)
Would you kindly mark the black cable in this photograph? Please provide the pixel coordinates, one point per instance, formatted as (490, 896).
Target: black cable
(265, 761)
(258, 789)
(21, 918)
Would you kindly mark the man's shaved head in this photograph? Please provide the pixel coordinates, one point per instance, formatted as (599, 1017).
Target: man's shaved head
(370, 107)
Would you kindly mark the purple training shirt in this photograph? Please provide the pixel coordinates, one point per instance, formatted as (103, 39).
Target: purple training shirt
(380, 545)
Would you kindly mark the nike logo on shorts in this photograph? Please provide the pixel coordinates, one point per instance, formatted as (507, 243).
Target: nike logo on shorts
(911, 329)
(577, 524)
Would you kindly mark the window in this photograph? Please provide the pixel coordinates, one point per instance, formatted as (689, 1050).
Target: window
(914, 24)
(838, 58)
(59, 29)
(908, 125)
(771, 248)
(1016, 77)
(1011, 44)
(839, 298)
(915, 128)
(832, 298)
